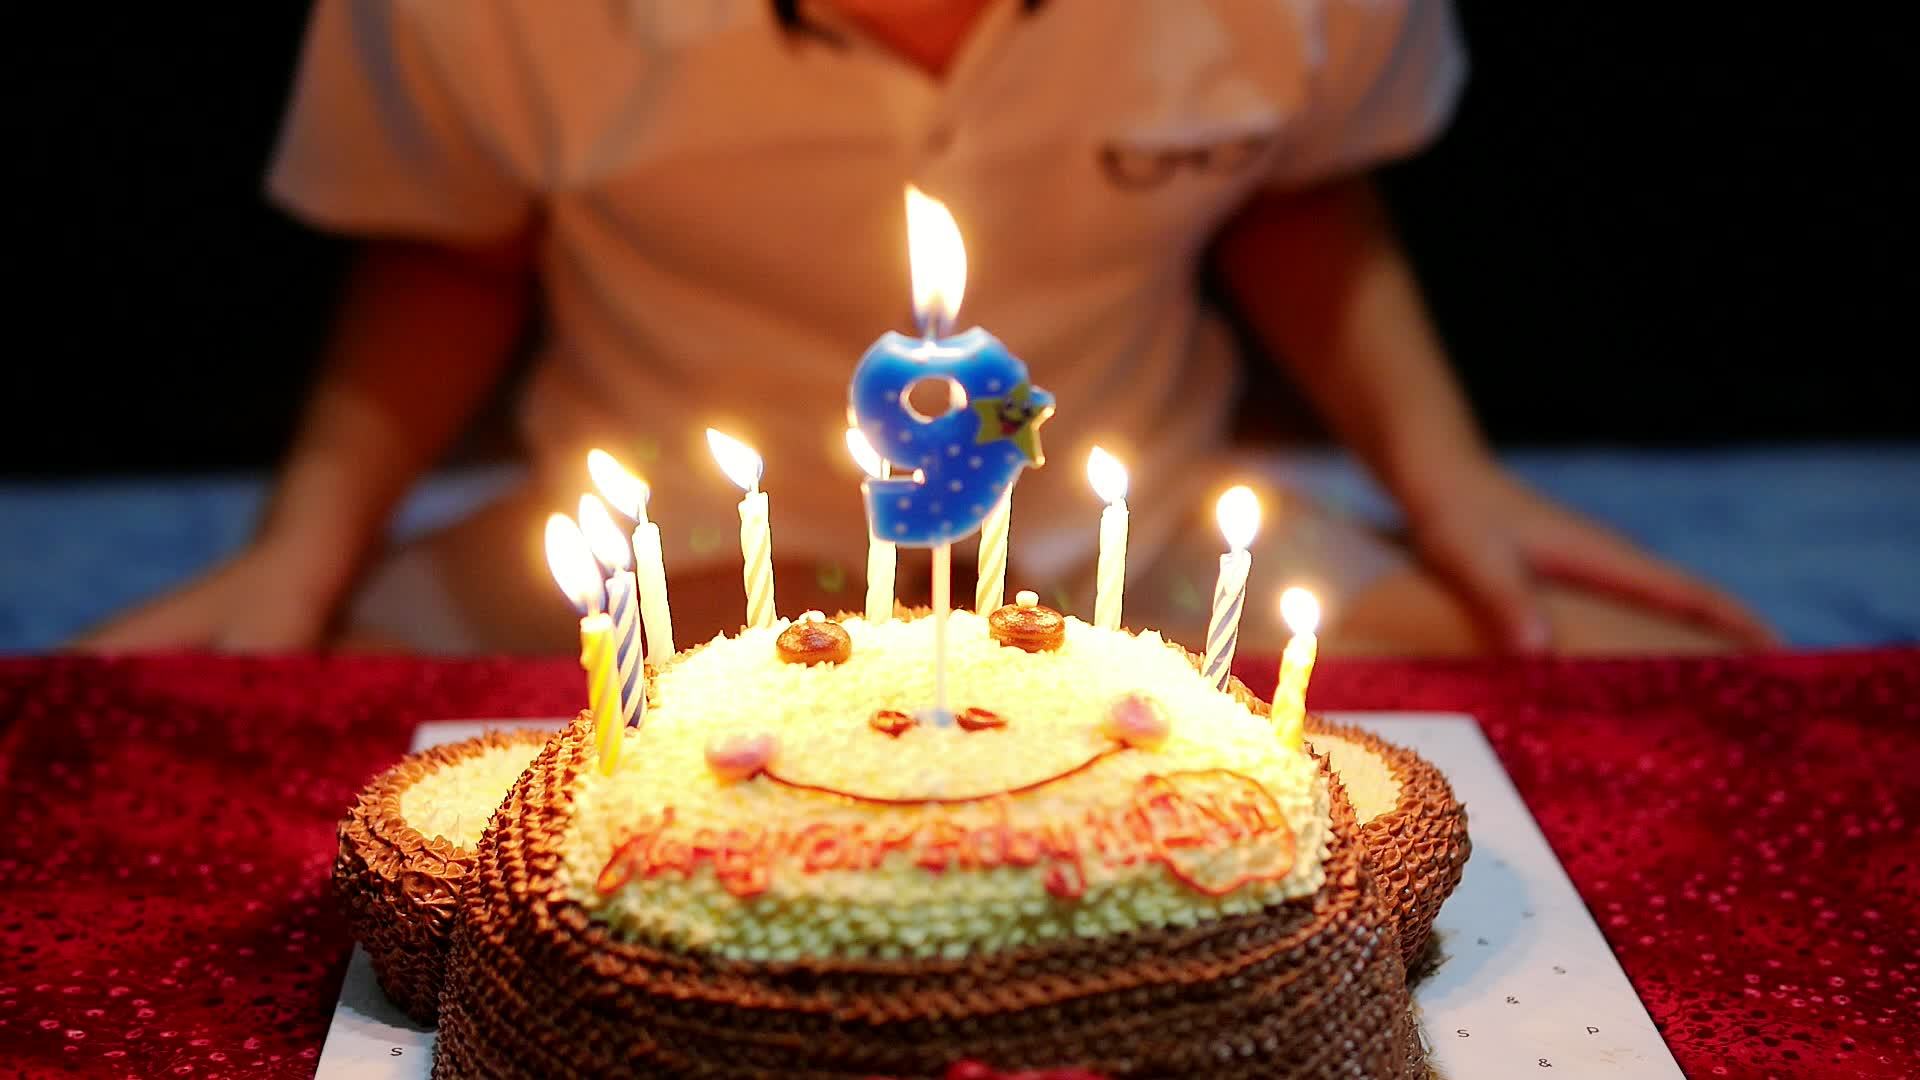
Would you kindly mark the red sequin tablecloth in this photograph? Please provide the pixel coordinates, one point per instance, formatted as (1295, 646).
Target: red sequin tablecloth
(1743, 830)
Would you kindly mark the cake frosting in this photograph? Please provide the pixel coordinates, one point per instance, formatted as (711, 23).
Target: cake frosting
(1371, 785)
(455, 801)
(941, 840)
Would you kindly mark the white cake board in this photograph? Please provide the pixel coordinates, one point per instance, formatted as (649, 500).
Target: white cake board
(1528, 988)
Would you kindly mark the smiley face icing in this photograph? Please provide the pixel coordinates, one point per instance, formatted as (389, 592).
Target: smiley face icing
(861, 839)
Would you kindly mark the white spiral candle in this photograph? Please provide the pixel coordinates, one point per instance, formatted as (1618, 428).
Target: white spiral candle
(1238, 512)
(743, 466)
(990, 589)
(629, 494)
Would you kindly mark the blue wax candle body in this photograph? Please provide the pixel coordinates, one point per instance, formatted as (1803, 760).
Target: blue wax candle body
(967, 458)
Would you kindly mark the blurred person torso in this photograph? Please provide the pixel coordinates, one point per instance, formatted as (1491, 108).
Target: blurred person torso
(719, 198)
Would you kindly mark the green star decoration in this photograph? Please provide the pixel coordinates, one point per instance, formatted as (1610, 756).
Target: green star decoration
(1013, 417)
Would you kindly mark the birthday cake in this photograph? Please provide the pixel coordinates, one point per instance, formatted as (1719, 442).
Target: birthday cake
(880, 845)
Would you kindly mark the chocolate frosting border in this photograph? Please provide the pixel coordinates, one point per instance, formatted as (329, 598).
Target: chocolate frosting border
(1309, 988)
(398, 887)
(1418, 850)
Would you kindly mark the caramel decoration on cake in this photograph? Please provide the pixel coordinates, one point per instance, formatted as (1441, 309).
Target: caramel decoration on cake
(398, 884)
(815, 639)
(975, 718)
(890, 722)
(1026, 625)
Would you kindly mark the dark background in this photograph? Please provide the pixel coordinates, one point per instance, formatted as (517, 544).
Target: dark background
(1683, 229)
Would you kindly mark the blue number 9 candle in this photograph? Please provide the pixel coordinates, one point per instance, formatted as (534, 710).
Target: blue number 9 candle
(957, 466)
(953, 469)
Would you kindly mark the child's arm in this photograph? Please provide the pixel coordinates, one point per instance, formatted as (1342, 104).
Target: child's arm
(1324, 283)
(422, 335)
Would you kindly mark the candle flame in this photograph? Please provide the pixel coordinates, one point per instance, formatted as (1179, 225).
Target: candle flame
(938, 257)
(1300, 610)
(739, 461)
(1107, 475)
(628, 493)
(571, 561)
(1238, 512)
(603, 536)
(864, 455)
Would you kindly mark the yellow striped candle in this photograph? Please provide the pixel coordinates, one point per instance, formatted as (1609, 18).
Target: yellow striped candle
(571, 561)
(1302, 615)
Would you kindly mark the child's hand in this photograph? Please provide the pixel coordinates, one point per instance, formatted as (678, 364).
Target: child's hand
(1492, 538)
(265, 599)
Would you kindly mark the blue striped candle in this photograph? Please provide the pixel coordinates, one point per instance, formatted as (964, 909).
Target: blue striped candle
(623, 605)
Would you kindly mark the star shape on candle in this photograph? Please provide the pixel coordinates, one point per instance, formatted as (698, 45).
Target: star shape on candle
(1015, 416)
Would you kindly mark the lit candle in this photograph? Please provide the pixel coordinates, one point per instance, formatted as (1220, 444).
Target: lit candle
(573, 568)
(990, 586)
(1238, 512)
(950, 471)
(629, 494)
(623, 605)
(881, 555)
(743, 466)
(1109, 480)
(1302, 614)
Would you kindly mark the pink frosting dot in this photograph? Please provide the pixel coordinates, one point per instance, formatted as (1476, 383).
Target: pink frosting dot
(736, 757)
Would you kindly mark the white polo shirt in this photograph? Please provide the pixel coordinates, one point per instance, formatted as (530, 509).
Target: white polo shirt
(720, 204)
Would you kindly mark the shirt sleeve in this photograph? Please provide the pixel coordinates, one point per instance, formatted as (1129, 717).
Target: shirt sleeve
(376, 139)
(1386, 75)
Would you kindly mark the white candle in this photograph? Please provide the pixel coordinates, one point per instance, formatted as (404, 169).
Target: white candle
(1109, 480)
(629, 494)
(743, 466)
(882, 556)
(623, 606)
(1238, 512)
(942, 605)
(990, 588)
(1302, 615)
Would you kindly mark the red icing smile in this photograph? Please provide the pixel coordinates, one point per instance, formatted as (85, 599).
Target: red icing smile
(941, 800)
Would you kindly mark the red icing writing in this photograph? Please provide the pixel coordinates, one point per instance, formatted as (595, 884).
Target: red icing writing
(1214, 831)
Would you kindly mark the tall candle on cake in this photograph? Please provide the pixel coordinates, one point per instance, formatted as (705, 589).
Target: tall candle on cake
(882, 557)
(571, 561)
(623, 604)
(743, 466)
(630, 495)
(1109, 480)
(952, 469)
(1301, 612)
(1238, 512)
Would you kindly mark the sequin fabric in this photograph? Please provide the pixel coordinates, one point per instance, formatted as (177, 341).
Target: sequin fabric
(1743, 830)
